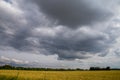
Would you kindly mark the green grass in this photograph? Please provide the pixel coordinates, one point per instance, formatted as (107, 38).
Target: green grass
(59, 75)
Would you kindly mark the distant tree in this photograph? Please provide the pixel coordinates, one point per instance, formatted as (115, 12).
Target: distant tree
(78, 69)
(92, 68)
(98, 68)
(108, 68)
(7, 67)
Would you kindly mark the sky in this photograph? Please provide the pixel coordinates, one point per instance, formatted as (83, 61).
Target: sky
(60, 33)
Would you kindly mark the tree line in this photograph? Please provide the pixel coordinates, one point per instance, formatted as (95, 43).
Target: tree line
(98, 68)
(9, 67)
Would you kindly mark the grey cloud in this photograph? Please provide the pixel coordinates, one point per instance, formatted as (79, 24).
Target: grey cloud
(117, 52)
(18, 41)
(75, 46)
(14, 62)
(74, 13)
(66, 42)
(9, 1)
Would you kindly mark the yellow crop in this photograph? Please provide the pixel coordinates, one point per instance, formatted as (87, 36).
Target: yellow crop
(59, 75)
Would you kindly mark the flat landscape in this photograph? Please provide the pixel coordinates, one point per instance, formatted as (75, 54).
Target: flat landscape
(59, 75)
(59, 39)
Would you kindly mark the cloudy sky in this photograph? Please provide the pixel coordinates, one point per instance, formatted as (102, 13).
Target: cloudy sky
(60, 33)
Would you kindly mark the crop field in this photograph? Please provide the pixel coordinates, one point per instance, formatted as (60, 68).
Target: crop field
(59, 75)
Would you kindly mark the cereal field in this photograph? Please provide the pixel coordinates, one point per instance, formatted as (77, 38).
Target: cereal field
(59, 75)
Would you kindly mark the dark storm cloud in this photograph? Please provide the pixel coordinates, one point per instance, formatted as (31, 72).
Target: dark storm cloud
(9, 1)
(80, 45)
(18, 41)
(73, 13)
(26, 28)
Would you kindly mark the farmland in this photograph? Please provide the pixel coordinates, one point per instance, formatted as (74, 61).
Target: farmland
(59, 75)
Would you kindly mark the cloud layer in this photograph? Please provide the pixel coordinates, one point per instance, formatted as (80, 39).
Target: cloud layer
(74, 13)
(69, 29)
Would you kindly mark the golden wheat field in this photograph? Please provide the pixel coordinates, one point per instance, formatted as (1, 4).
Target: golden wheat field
(59, 75)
